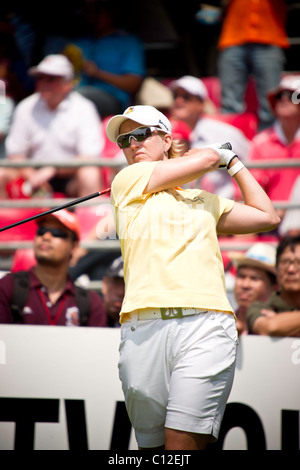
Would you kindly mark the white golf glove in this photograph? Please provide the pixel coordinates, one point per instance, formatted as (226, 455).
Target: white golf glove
(225, 154)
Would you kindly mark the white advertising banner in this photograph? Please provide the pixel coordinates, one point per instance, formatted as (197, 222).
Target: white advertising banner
(59, 390)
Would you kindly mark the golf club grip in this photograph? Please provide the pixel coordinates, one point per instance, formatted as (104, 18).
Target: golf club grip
(226, 146)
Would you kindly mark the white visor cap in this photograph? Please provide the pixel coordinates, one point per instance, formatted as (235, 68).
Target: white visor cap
(143, 115)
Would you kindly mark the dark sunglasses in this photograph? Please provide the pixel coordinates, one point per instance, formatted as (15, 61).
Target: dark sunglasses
(287, 93)
(48, 78)
(185, 96)
(55, 232)
(140, 134)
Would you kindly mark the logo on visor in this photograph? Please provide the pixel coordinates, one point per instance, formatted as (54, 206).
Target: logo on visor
(129, 110)
(163, 124)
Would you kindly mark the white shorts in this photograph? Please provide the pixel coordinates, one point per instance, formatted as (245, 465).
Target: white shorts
(177, 374)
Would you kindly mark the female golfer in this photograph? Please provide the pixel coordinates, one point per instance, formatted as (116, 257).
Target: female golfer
(178, 333)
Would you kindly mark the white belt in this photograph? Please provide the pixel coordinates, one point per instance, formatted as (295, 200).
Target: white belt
(165, 313)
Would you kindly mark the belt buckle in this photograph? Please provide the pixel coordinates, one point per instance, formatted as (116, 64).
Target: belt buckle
(168, 313)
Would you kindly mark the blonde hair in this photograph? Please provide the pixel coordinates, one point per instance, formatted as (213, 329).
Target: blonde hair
(176, 147)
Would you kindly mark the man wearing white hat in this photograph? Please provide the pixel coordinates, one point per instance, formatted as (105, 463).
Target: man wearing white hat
(280, 315)
(54, 124)
(255, 279)
(190, 105)
(281, 141)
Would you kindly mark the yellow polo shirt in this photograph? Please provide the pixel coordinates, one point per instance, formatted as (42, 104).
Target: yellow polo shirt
(169, 244)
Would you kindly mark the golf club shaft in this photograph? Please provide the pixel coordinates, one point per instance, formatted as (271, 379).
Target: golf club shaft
(58, 208)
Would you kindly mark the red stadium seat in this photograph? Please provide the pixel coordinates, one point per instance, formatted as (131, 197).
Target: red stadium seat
(213, 86)
(246, 122)
(10, 216)
(23, 260)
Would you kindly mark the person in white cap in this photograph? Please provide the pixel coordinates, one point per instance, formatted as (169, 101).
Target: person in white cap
(54, 124)
(280, 141)
(176, 361)
(255, 279)
(189, 105)
(280, 315)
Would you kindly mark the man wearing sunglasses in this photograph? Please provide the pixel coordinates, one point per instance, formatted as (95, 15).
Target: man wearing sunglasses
(52, 296)
(191, 103)
(280, 141)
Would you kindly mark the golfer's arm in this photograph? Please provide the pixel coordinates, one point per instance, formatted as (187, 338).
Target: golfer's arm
(168, 174)
(257, 214)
